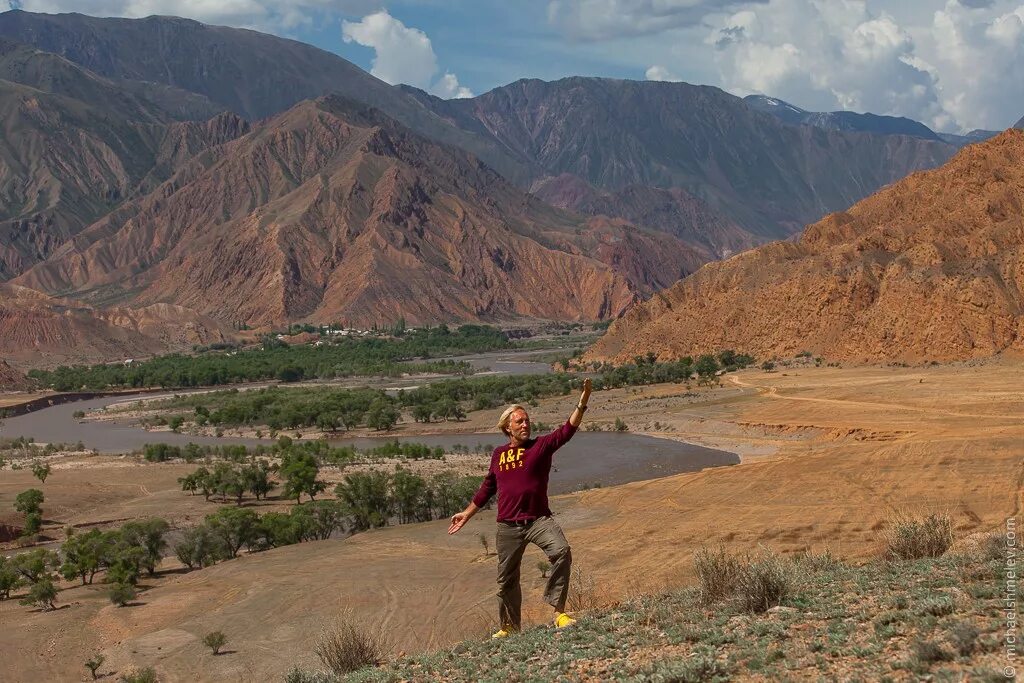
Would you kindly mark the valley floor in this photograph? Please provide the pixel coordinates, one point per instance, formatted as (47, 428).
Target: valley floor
(830, 456)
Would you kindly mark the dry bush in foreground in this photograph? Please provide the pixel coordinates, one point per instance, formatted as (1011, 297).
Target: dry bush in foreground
(764, 583)
(347, 645)
(756, 584)
(582, 591)
(911, 538)
(717, 572)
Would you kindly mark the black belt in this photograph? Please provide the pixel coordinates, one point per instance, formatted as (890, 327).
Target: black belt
(519, 522)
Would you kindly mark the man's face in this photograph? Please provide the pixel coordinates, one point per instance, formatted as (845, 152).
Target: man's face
(519, 425)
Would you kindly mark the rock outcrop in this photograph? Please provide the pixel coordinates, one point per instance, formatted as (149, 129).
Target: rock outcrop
(931, 268)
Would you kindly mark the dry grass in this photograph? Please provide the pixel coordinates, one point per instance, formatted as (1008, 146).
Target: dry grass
(910, 538)
(347, 645)
(583, 593)
(718, 572)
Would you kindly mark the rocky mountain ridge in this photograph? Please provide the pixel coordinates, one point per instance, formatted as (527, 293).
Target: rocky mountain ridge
(295, 207)
(931, 268)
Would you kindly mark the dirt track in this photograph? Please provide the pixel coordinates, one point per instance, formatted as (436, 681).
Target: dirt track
(830, 455)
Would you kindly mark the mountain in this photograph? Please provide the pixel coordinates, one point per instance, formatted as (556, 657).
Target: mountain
(976, 135)
(929, 268)
(140, 101)
(253, 74)
(36, 329)
(65, 162)
(748, 167)
(333, 211)
(673, 210)
(1020, 124)
(840, 120)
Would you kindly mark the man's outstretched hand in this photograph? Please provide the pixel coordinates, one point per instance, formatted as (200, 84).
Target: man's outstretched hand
(458, 520)
(587, 387)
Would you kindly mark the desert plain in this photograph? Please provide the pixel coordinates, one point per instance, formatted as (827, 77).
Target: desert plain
(829, 457)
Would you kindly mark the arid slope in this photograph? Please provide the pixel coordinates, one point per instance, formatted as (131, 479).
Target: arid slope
(39, 330)
(929, 268)
(832, 456)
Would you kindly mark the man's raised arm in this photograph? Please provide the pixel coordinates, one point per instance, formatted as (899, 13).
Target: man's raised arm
(577, 415)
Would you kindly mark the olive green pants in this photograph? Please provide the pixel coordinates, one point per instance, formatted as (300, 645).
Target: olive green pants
(511, 543)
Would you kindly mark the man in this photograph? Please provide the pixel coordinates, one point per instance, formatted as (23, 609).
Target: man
(519, 473)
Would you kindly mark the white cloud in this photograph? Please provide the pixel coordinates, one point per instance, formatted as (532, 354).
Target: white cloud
(402, 54)
(956, 73)
(660, 73)
(604, 19)
(448, 87)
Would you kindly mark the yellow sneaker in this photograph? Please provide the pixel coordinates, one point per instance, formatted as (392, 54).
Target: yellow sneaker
(503, 633)
(563, 620)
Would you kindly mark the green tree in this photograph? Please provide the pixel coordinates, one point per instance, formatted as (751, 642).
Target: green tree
(40, 470)
(42, 594)
(256, 479)
(149, 535)
(382, 415)
(29, 503)
(199, 548)
(422, 412)
(86, 554)
(122, 593)
(10, 577)
(365, 497)
(410, 492)
(706, 367)
(300, 471)
(215, 641)
(234, 528)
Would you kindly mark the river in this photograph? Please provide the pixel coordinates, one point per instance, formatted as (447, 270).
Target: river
(591, 458)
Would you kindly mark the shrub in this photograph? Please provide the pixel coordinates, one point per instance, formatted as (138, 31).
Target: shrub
(819, 562)
(926, 652)
(621, 426)
(94, 664)
(936, 607)
(764, 583)
(147, 675)
(964, 636)
(215, 640)
(583, 594)
(346, 646)
(702, 666)
(717, 573)
(299, 676)
(912, 539)
(122, 593)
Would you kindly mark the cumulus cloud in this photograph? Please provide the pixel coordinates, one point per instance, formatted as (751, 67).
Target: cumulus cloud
(401, 54)
(976, 57)
(603, 19)
(956, 73)
(660, 73)
(260, 14)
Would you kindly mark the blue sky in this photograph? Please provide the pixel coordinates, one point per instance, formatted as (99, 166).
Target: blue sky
(952, 64)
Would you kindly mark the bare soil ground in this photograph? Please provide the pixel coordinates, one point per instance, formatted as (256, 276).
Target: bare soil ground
(830, 456)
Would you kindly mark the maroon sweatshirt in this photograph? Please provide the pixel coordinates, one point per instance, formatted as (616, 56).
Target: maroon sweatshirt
(520, 476)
